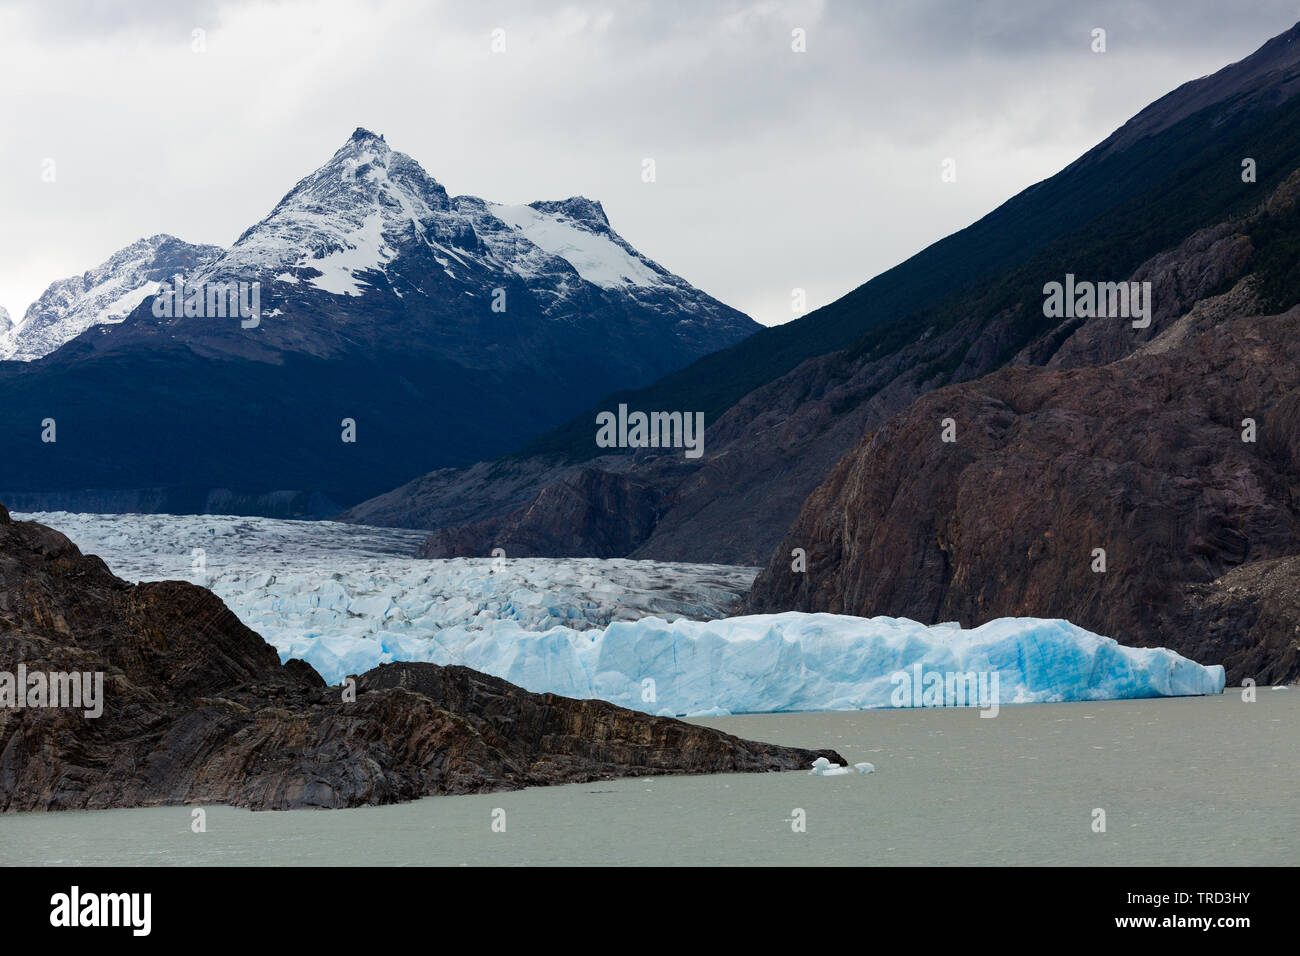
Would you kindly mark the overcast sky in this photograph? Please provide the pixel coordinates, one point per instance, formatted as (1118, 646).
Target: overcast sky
(775, 169)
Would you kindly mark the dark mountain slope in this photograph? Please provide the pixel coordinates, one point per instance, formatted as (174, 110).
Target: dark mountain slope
(1135, 206)
(1175, 164)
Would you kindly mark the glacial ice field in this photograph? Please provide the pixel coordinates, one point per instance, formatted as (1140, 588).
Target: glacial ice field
(648, 635)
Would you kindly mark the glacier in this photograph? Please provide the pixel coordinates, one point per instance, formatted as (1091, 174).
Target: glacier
(778, 662)
(652, 636)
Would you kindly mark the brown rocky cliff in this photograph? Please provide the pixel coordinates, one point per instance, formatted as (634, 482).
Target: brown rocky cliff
(198, 709)
(1143, 458)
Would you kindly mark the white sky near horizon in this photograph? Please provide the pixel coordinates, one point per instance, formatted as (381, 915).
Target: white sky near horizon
(775, 169)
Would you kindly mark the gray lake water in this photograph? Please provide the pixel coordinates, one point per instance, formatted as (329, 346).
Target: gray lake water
(1187, 781)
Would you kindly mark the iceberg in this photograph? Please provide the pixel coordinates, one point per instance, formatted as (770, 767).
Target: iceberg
(822, 767)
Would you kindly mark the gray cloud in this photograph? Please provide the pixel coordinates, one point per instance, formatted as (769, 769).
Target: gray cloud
(106, 19)
(776, 170)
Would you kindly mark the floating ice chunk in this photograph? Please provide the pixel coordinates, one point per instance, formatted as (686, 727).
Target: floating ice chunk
(824, 768)
(864, 767)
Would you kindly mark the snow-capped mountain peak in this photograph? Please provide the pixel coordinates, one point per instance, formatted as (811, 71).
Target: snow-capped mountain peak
(370, 204)
(452, 329)
(104, 295)
(350, 216)
(369, 248)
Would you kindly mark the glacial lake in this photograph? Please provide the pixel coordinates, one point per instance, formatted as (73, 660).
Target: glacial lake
(1187, 781)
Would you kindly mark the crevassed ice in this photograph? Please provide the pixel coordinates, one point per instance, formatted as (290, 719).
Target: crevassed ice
(779, 662)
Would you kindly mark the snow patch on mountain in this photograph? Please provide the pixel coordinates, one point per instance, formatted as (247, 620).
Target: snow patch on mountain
(597, 258)
(363, 250)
